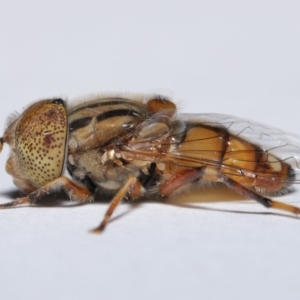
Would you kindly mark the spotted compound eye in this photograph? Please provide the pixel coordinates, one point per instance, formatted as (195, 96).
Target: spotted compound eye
(40, 141)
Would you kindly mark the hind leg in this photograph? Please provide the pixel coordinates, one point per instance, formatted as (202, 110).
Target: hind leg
(267, 202)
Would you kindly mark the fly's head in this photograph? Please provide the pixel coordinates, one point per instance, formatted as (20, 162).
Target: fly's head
(37, 139)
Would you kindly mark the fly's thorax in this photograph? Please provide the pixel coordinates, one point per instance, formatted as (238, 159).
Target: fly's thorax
(103, 168)
(113, 120)
(37, 139)
(94, 127)
(95, 124)
(100, 128)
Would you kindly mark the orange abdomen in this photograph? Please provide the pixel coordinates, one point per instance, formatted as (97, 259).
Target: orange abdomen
(222, 153)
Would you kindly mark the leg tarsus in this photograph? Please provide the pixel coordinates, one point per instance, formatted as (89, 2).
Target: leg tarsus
(18, 201)
(286, 207)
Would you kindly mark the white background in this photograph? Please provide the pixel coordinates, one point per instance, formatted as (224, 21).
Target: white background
(234, 57)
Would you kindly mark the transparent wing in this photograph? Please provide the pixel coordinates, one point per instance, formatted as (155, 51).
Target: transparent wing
(283, 145)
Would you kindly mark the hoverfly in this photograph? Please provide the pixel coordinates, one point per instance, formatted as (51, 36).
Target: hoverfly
(139, 145)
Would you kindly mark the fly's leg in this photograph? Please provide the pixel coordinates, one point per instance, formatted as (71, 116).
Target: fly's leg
(74, 191)
(269, 203)
(131, 187)
(180, 179)
(186, 176)
(18, 201)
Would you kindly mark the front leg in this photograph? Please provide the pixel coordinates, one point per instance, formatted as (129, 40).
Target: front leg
(74, 191)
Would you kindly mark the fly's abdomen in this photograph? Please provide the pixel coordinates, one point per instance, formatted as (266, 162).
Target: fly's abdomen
(273, 175)
(253, 167)
(201, 146)
(221, 154)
